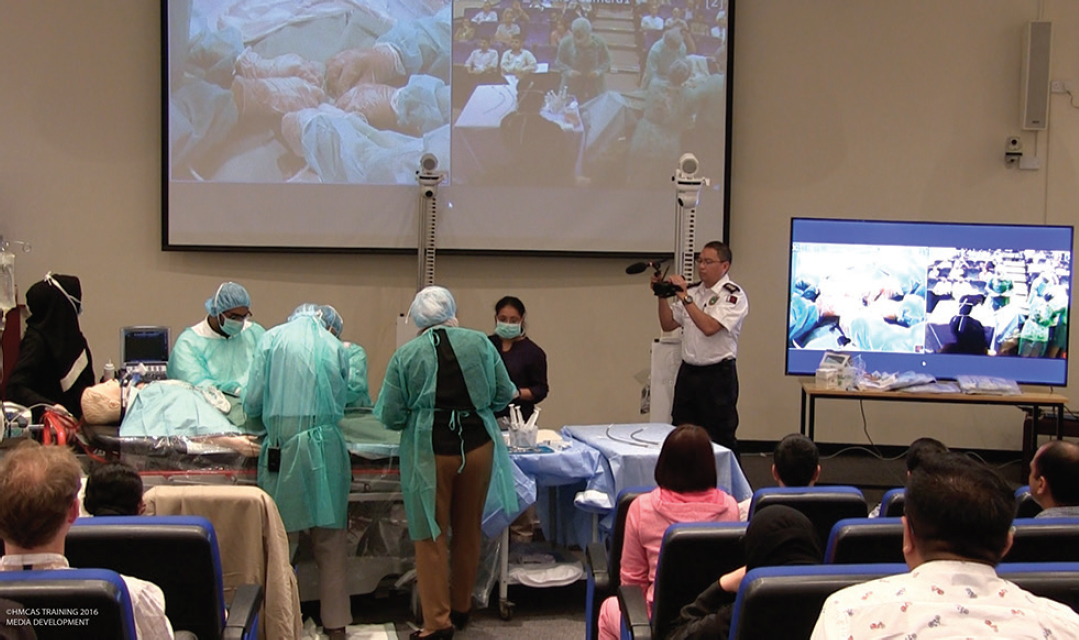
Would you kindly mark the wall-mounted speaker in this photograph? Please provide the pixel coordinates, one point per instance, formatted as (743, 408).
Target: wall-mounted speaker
(1034, 92)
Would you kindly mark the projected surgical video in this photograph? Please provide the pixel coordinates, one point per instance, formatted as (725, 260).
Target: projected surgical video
(340, 91)
(586, 93)
(929, 300)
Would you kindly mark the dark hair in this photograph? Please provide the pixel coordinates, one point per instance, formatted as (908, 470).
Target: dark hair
(113, 489)
(39, 485)
(956, 505)
(921, 449)
(1058, 463)
(511, 301)
(721, 249)
(686, 463)
(796, 459)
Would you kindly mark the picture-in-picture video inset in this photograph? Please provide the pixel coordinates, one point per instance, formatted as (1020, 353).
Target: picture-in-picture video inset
(995, 305)
(533, 102)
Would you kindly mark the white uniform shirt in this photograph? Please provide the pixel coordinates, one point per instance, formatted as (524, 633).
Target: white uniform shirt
(482, 61)
(943, 599)
(728, 306)
(485, 16)
(651, 23)
(147, 600)
(514, 63)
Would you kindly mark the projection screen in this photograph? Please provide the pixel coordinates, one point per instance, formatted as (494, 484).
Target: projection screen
(300, 124)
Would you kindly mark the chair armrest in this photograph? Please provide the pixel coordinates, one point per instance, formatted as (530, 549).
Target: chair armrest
(596, 554)
(634, 612)
(244, 612)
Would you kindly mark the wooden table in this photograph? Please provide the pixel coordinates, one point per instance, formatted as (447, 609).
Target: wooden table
(810, 395)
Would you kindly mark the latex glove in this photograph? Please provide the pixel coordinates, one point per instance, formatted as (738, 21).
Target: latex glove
(375, 65)
(373, 102)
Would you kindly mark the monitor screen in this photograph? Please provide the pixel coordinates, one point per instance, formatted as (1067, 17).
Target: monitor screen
(945, 299)
(556, 126)
(144, 344)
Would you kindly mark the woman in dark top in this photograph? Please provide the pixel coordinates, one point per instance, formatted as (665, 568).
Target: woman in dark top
(525, 361)
(777, 536)
(54, 365)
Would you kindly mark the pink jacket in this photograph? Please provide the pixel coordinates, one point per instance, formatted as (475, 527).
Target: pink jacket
(648, 519)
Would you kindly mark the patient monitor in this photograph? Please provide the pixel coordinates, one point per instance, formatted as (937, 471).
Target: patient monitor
(145, 349)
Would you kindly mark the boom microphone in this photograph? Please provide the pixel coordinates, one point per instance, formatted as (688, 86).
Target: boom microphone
(640, 267)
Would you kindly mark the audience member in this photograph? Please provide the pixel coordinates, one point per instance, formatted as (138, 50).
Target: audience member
(918, 452)
(114, 489)
(686, 477)
(795, 463)
(483, 60)
(465, 33)
(516, 61)
(652, 21)
(779, 536)
(517, 13)
(39, 502)
(486, 14)
(1054, 479)
(558, 32)
(957, 527)
(507, 29)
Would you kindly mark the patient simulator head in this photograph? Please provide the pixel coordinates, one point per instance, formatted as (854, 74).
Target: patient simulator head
(114, 489)
(39, 489)
(432, 306)
(686, 462)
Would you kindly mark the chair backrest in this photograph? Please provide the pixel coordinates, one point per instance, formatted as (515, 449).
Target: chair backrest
(823, 505)
(1025, 505)
(865, 540)
(785, 602)
(177, 553)
(692, 556)
(84, 590)
(891, 505)
(1054, 580)
(1044, 540)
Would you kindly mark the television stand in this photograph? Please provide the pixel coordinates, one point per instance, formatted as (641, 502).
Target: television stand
(1035, 401)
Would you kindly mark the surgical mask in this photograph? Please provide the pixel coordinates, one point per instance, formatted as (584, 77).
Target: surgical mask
(507, 330)
(230, 326)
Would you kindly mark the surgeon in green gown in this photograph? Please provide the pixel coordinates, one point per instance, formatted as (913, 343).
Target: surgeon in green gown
(442, 389)
(358, 394)
(298, 383)
(218, 351)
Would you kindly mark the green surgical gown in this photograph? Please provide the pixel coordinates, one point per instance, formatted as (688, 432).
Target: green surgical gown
(407, 401)
(298, 383)
(358, 394)
(218, 361)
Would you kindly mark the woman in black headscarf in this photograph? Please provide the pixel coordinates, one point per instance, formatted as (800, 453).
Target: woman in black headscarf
(54, 365)
(776, 536)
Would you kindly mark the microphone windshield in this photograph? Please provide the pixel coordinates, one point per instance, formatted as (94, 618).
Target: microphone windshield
(638, 267)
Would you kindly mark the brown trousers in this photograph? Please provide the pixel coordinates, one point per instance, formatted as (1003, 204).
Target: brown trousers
(459, 500)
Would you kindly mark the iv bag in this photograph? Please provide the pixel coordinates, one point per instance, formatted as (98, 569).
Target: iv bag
(7, 281)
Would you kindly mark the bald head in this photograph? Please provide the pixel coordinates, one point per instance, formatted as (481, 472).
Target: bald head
(1054, 474)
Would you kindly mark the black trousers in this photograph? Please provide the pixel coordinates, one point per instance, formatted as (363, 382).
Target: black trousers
(707, 396)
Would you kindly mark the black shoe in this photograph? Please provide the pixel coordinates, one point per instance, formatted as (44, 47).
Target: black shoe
(459, 619)
(441, 634)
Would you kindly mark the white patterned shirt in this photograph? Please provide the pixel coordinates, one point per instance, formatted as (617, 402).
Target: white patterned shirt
(943, 599)
(147, 600)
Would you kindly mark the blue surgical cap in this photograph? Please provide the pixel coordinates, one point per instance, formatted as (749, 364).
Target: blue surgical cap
(228, 296)
(307, 309)
(332, 319)
(432, 305)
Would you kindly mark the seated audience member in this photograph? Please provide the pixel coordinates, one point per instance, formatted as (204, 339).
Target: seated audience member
(795, 463)
(39, 501)
(486, 14)
(507, 29)
(465, 33)
(517, 13)
(218, 351)
(686, 475)
(678, 21)
(919, 451)
(54, 365)
(114, 489)
(957, 527)
(1054, 479)
(483, 60)
(652, 21)
(780, 536)
(558, 32)
(517, 61)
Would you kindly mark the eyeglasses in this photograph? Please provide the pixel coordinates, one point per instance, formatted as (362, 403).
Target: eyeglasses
(709, 262)
(238, 316)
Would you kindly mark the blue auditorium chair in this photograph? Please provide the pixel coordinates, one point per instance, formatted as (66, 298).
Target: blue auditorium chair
(1025, 505)
(604, 562)
(865, 540)
(823, 505)
(1044, 540)
(693, 555)
(98, 597)
(178, 554)
(891, 505)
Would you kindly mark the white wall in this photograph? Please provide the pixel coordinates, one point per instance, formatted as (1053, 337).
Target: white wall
(891, 109)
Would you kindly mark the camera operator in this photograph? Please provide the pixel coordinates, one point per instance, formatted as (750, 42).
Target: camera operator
(711, 314)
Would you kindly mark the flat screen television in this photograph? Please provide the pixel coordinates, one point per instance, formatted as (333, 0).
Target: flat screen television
(946, 299)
